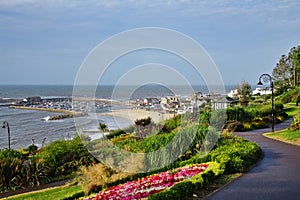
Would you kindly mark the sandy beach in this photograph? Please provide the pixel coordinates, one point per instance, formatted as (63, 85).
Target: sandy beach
(133, 114)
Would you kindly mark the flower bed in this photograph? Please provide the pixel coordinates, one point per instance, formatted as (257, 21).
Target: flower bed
(143, 187)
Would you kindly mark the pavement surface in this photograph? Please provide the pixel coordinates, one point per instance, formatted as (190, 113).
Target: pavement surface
(275, 176)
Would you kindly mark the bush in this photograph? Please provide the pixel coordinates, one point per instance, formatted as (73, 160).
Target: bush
(170, 124)
(290, 96)
(62, 158)
(258, 124)
(96, 177)
(115, 133)
(238, 113)
(11, 162)
(295, 125)
(233, 126)
(235, 154)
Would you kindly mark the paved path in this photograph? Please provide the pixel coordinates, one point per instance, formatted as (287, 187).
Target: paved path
(276, 176)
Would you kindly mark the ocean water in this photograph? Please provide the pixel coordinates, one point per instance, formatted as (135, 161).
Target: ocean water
(26, 125)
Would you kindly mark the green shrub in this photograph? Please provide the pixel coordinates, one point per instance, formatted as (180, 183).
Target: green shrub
(170, 124)
(233, 126)
(235, 154)
(295, 125)
(290, 96)
(258, 124)
(62, 158)
(115, 133)
(238, 113)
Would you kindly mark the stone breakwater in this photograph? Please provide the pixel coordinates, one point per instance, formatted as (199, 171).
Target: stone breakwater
(65, 113)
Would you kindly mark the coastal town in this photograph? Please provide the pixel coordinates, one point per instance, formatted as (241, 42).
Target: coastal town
(175, 104)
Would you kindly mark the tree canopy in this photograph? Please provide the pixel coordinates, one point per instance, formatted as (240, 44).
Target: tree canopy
(287, 71)
(244, 92)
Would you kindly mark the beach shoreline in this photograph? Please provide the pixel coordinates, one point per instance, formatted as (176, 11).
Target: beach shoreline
(133, 114)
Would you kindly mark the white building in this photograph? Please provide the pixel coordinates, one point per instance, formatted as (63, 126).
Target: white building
(233, 93)
(261, 91)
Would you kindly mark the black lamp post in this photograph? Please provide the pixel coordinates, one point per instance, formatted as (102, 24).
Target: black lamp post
(268, 78)
(6, 125)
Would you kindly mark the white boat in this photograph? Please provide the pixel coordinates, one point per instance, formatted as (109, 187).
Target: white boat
(45, 118)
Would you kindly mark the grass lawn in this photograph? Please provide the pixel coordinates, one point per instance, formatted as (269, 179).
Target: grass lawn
(286, 135)
(291, 109)
(51, 193)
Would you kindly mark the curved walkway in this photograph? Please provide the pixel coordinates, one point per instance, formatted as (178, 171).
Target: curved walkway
(276, 176)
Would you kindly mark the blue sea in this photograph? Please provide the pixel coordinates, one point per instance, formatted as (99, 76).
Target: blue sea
(26, 125)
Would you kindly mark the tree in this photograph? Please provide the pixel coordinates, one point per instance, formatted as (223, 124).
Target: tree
(244, 92)
(103, 127)
(296, 63)
(287, 71)
(283, 73)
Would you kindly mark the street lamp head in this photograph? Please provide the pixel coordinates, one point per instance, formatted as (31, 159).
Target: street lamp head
(5, 124)
(259, 83)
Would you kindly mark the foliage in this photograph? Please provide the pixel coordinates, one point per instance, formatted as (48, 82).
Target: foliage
(291, 109)
(64, 157)
(171, 124)
(290, 96)
(253, 116)
(287, 70)
(295, 125)
(31, 167)
(233, 126)
(115, 133)
(283, 74)
(204, 121)
(98, 176)
(234, 153)
(10, 163)
(238, 113)
(296, 62)
(143, 126)
(103, 127)
(244, 91)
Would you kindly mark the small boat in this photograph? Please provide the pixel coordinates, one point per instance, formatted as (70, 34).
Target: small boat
(45, 118)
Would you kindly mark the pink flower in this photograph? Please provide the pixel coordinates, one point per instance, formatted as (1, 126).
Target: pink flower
(143, 187)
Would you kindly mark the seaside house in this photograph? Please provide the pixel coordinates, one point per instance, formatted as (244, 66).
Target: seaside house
(233, 93)
(151, 101)
(223, 103)
(261, 91)
(170, 100)
(170, 103)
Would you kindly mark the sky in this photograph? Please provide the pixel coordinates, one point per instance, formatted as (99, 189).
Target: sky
(46, 42)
